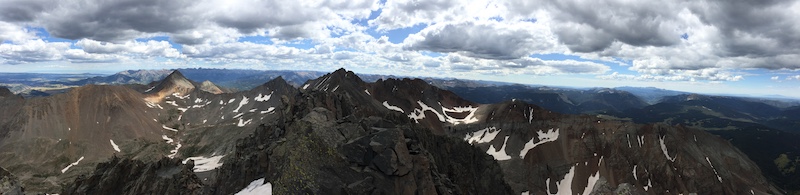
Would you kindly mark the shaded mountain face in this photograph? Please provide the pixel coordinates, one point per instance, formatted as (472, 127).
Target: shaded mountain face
(340, 135)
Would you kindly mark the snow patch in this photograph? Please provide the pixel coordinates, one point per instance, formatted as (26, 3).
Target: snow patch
(664, 149)
(72, 164)
(169, 140)
(241, 103)
(501, 154)
(114, 145)
(178, 95)
(530, 115)
(174, 152)
(151, 89)
(635, 177)
(649, 185)
(270, 109)
(335, 88)
(204, 121)
(69, 129)
(232, 100)
(470, 118)
(629, 140)
(640, 139)
(171, 103)
(263, 98)
(203, 164)
(390, 107)
(367, 91)
(183, 109)
(305, 86)
(253, 110)
(242, 123)
(238, 115)
(482, 136)
(168, 128)
(543, 136)
(715, 170)
(258, 187)
(419, 113)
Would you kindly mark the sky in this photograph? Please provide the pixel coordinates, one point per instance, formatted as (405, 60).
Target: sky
(712, 46)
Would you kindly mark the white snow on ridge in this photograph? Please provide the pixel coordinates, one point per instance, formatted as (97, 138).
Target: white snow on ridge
(72, 164)
(501, 154)
(114, 145)
(305, 86)
(543, 136)
(203, 164)
(482, 136)
(168, 128)
(367, 91)
(151, 89)
(242, 103)
(390, 107)
(629, 140)
(257, 187)
(664, 149)
(263, 98)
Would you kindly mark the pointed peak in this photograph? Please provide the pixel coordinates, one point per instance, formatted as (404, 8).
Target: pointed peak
(210, 87)
(175, 75)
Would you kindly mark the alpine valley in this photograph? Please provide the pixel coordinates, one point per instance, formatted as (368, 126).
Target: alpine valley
(203, 131)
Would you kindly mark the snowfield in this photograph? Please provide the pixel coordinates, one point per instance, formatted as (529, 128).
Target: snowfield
(257, 187)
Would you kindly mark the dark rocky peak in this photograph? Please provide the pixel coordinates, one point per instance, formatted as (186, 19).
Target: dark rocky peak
(338, 80)
(424, 103)
(5, 92)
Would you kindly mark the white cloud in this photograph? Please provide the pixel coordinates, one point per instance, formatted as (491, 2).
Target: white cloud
(486, 39)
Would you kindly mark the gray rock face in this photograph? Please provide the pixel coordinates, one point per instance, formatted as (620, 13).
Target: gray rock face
(385, 150)
(9, 184)
(125, 176)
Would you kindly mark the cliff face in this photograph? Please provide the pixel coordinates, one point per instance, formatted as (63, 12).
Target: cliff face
(125, 176)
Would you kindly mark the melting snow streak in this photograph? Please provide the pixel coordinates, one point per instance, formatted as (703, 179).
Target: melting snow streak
(242, 103)
(114, 145)
(390, 107)
(70, 165)
(543, 136)
(664, 149)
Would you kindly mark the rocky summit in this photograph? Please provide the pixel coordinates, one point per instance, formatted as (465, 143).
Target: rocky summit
(338, 134)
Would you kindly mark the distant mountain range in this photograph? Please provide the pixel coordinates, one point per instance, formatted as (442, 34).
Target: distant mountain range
(340, 134)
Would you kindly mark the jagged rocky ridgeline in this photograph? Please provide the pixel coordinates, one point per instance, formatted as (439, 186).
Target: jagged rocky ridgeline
(340, 135)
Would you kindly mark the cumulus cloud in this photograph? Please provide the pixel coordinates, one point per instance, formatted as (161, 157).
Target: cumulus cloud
(664, 41)
(489, 40)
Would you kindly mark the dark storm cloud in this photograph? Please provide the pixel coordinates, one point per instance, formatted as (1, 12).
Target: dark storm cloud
(118, 20)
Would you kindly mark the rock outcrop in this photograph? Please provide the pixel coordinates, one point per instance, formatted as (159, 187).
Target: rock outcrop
(9, 184)
(125, 176)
